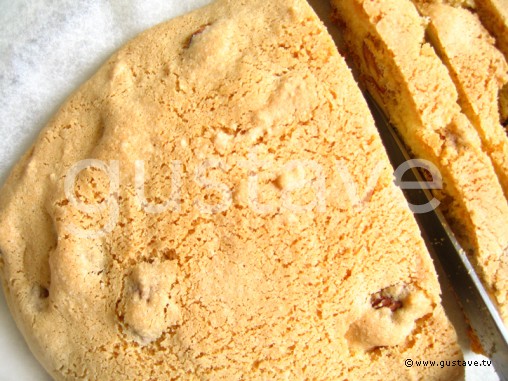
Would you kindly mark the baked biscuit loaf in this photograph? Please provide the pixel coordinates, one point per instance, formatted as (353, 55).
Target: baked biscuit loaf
(402, 71)
(182, 216)
(478, 70)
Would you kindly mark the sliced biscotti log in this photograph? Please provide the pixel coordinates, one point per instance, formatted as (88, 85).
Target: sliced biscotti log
(479, 71)
(494, 16)
(386, 39)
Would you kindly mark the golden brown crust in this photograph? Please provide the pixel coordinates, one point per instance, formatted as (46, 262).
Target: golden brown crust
(229, 294)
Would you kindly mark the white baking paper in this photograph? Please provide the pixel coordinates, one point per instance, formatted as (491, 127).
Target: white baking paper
(47, 49)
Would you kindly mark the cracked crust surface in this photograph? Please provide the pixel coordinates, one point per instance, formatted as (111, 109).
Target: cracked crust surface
(191, 290)
(386, 39)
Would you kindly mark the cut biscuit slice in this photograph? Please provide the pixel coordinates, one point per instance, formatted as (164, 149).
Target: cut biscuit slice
(386, 39)
(494, 16)
(478, 70)
(183, 216)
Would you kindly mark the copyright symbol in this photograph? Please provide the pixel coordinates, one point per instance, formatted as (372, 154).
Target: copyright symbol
(409, 363)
